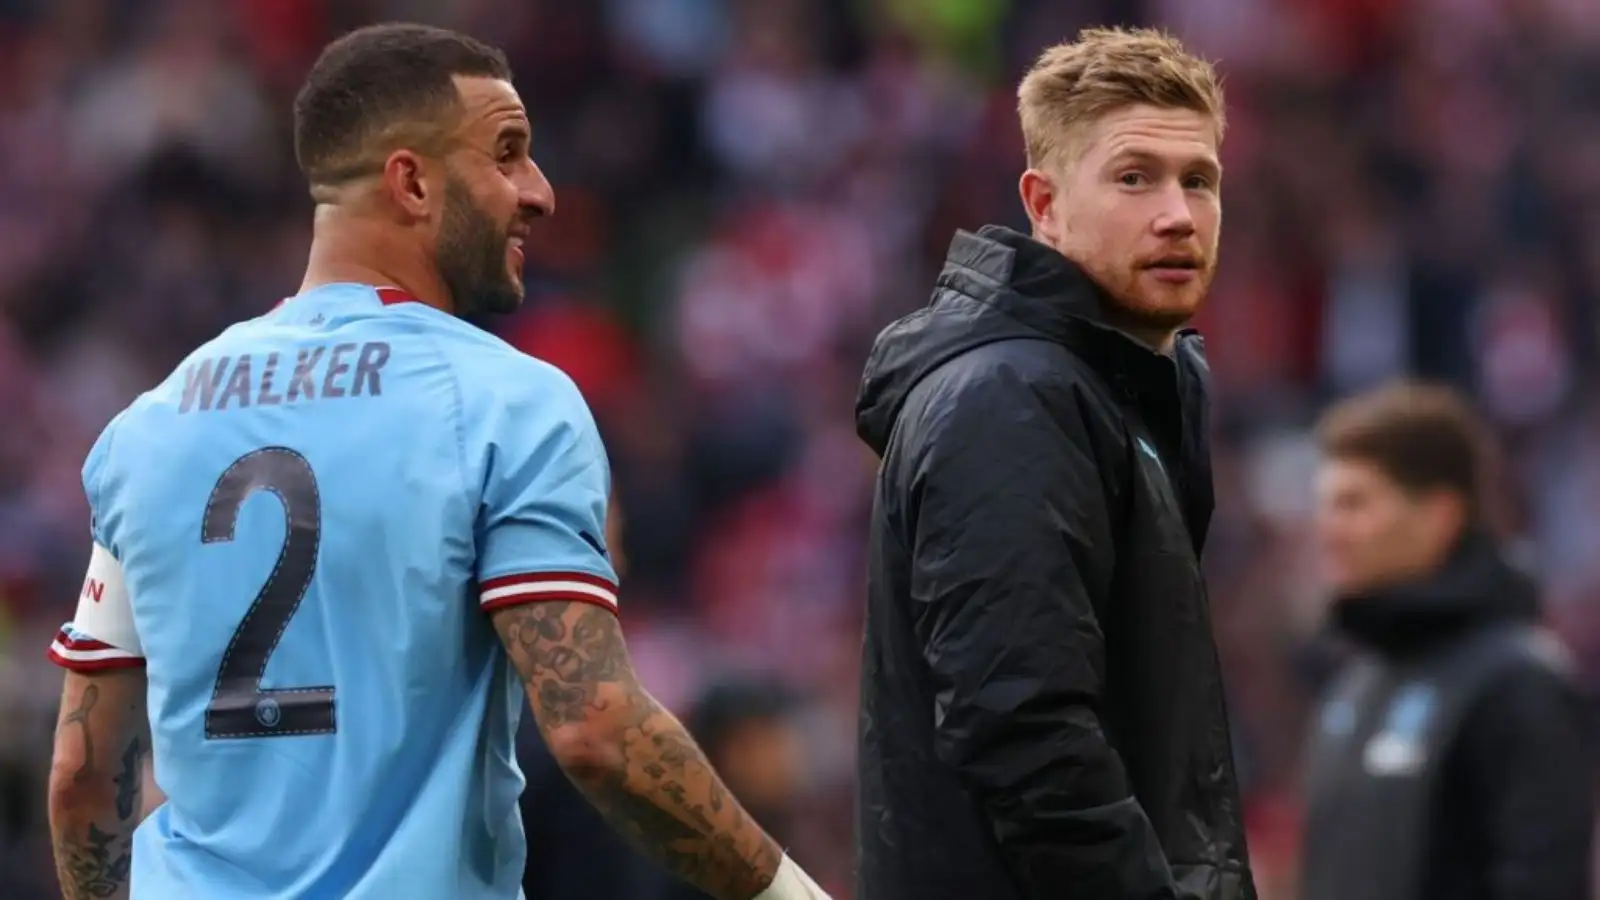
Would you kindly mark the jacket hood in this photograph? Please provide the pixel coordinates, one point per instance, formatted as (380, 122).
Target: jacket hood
(990, 289)
(1476, 587)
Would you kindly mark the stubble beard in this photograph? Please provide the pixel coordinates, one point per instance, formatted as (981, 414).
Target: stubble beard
(472, 257)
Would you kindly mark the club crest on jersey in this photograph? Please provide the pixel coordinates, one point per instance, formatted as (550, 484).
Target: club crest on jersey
(269, 713)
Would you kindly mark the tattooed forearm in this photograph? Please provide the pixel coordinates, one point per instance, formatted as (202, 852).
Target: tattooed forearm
(96, 862)
(666, 797)
(79, 717)
(654, 785)
(96, 784)
(95, 867)
(130, 780)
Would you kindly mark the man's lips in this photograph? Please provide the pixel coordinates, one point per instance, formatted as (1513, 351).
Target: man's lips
(1174, 269)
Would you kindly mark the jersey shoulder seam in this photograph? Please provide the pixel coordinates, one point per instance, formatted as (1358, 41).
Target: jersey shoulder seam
(458, 412)
(502, 356)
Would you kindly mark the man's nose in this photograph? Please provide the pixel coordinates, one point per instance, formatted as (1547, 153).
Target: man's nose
(1174, 218)
(536, 196)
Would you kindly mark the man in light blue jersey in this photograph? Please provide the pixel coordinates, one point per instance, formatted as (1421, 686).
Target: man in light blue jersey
(327, 544)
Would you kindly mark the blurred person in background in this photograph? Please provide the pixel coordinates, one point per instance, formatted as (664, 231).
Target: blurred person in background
(1043, 712)
(1450, 760)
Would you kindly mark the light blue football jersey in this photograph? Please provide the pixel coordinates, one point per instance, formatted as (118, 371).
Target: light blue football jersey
(312, 514)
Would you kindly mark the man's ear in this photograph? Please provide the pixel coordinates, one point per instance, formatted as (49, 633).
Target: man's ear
(1447, 514)
(1038, 192)
(409, 183)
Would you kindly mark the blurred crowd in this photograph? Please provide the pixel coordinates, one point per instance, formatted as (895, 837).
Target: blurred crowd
(748, 190)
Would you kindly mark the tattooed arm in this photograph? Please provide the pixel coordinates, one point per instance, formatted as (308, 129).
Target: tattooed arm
(633, 760)
(95, 779)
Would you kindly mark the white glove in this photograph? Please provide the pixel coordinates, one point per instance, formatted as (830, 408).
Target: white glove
(792, 883)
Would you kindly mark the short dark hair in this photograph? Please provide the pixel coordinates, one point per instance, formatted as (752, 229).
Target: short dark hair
(1424, 437)
(391, 82)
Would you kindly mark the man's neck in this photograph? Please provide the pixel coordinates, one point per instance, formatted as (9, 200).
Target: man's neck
(345, 250)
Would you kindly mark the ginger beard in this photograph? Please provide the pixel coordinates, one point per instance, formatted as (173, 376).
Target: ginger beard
(1169, 291)
(1154, 291)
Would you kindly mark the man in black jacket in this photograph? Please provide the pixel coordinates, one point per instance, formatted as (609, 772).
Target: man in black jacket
(1450, 760)
(1042, 708)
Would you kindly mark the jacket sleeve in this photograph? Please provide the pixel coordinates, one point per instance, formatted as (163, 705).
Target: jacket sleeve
(1523, 754)
(1012, 543)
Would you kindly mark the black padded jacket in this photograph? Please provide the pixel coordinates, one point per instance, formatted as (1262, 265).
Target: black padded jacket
(1042, 710)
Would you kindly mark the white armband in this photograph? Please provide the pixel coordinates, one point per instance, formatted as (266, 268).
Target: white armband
(792, 883)
(105, 614)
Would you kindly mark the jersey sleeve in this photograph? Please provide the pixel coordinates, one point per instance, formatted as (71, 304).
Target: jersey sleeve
(546, 487)
(101, 634)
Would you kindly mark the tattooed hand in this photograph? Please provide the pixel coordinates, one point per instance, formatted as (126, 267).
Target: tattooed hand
(96, 783)
(635, 762)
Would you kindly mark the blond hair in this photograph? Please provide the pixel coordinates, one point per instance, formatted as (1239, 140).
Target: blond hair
(1074, 83)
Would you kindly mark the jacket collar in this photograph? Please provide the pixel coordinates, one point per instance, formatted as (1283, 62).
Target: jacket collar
(1475, 586)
